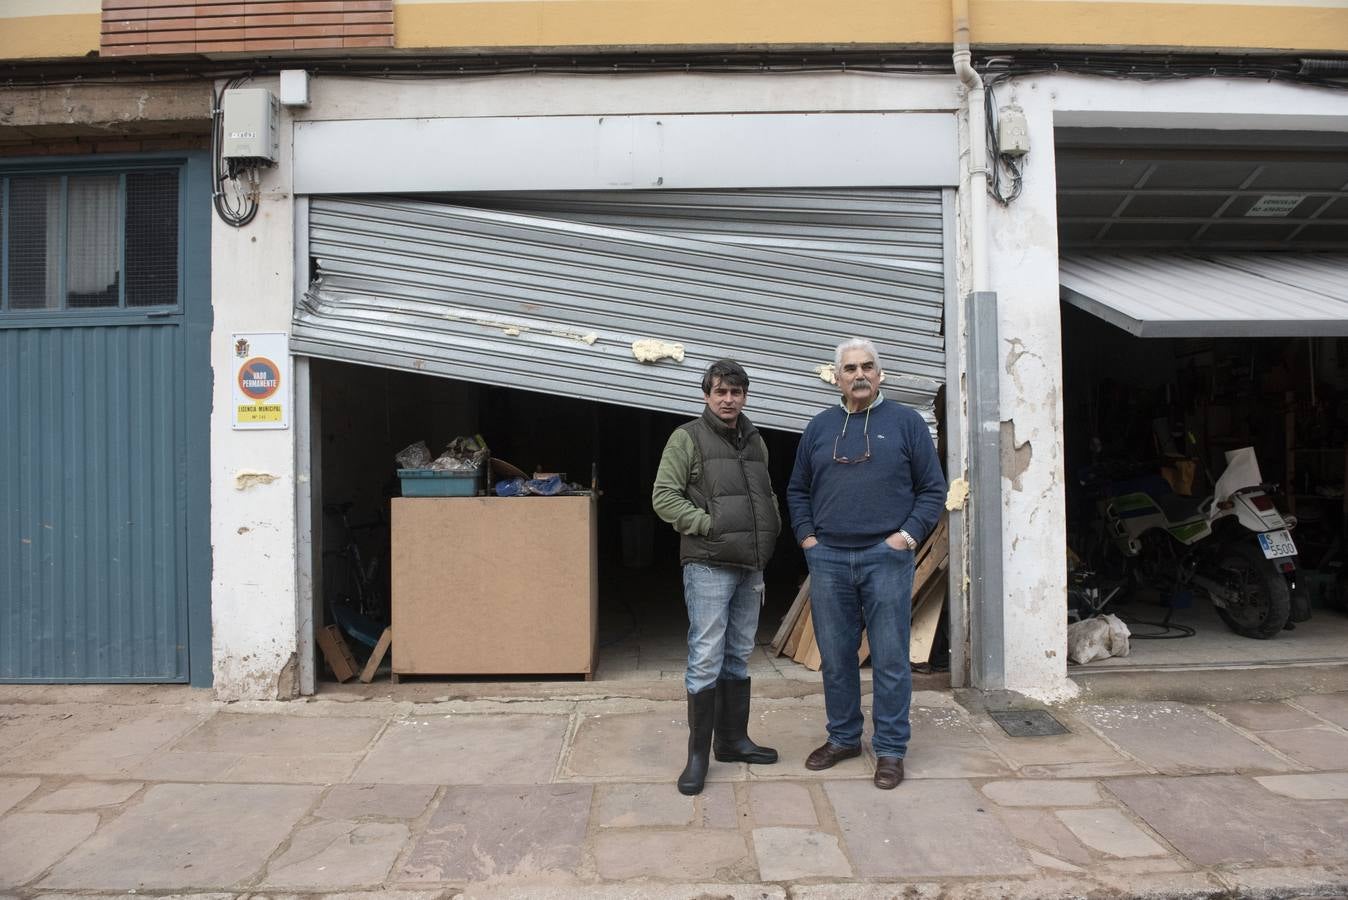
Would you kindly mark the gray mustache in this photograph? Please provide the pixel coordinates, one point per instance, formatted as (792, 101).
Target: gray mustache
(861, 382)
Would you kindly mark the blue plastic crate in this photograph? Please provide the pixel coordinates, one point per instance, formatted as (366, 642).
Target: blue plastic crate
(440, 483)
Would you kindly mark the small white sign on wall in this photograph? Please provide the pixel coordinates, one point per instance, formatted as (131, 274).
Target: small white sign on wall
(261, 381)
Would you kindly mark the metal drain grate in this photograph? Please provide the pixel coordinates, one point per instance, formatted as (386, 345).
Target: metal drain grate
(1028, 722)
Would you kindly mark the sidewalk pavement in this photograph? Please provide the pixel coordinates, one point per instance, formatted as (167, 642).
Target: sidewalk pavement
(569, 793)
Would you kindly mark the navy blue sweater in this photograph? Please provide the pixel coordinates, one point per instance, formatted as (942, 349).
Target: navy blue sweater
(900, 488)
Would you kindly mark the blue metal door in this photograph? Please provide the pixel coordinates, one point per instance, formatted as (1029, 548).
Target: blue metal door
(103, 566)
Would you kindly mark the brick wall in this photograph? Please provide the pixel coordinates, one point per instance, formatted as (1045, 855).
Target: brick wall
(147, 27)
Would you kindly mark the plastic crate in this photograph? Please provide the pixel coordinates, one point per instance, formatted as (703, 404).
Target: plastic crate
(440, 483)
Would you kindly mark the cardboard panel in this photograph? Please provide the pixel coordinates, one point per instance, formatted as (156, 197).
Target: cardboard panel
(494, 585)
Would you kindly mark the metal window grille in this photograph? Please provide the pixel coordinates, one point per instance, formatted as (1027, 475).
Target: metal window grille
(93, 257)
(34, 250)
(152, 238)
(88, 241)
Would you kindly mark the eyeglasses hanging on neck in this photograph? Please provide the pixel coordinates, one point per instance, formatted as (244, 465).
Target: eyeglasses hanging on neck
(865, 433)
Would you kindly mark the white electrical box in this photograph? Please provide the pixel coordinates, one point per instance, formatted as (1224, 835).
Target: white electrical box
(251, 122)
(1013, 133)
(294, 87)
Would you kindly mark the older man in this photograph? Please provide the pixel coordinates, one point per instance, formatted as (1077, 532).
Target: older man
(713, 487)
(866, 489)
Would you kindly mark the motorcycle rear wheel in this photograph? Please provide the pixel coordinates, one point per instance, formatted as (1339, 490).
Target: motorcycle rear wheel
(1266, 601)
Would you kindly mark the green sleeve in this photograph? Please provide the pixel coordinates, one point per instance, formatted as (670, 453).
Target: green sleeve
(669, 497)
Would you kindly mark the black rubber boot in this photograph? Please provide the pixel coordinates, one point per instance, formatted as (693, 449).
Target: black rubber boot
(701, 719)
(732, 725)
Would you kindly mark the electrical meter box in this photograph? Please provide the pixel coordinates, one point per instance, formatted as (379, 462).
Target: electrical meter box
(251, 122)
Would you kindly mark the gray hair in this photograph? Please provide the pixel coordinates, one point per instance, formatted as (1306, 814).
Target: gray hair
(855, 344)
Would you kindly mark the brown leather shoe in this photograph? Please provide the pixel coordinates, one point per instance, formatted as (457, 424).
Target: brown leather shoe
(829, 755)
(888, 772)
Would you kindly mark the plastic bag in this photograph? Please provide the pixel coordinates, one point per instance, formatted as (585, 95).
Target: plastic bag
(463, 454)
(1097, 638)
(417, 456)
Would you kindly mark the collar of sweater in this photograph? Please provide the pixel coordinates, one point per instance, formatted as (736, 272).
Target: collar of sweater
(879, 398)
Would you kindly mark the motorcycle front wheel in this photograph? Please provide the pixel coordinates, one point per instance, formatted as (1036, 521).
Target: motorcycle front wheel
(1264, 603)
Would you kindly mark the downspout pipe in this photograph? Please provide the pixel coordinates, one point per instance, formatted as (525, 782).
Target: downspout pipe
(981, 536)
(977, 161)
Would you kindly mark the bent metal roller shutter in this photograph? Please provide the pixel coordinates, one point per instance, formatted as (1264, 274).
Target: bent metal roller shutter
(625, 296)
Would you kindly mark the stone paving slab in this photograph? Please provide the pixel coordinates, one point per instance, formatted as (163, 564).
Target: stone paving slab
(787, 854)
(1043, 793)
(1178, 739)
(781, 803)
(719, 806)
(314, 769)
(333, 855)
(795, 730)
(1333, 707)
(84, 896)
(380, 801)
(466, 749)
(482, 832)
(1080, 746)
(281, 735)
(1319, 748)
(673, 855)
(185, 766)
(1264, 715)
(1269, 829)
(945, 744)
(31, 842)
(646, 746)
(1308, 786)
(1042, 829)
(136, 850)
(86, 795)
(642, 890)
(1109, 831)
(113, 750)
(927, 827)
(629, 805)
(14, 790)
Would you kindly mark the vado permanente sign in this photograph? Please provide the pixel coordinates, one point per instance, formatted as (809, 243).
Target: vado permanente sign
(262, 381)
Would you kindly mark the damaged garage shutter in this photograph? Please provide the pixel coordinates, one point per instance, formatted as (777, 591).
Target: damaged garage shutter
(624, 297)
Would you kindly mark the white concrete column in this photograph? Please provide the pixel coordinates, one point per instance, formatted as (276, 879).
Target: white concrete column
(1023, 250)
(253, 618)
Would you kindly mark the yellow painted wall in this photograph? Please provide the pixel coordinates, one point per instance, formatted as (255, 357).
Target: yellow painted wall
(35, 29)
(41, 29)
(1305, 25)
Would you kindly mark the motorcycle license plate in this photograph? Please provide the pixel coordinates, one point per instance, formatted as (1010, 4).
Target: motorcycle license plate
(1276, 544)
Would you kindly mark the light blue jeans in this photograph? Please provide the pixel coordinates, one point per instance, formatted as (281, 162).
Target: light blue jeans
(871, 588)
(723, 604)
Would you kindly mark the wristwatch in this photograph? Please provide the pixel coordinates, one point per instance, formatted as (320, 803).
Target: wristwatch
(908, 539)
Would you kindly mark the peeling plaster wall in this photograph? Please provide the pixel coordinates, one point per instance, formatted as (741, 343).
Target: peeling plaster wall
(253, 608)
(1023, 263)
(1023, 259)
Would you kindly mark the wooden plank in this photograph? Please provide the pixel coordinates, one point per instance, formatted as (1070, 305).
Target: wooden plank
(806, 640)
(377, 656)
(797, 630)
(789, 620)
(813, 661)
(934, 549)
(337, 653)
(925, 621)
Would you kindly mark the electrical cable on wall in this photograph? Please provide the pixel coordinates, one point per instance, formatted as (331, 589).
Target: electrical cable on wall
(233, 203)
(1000, 162)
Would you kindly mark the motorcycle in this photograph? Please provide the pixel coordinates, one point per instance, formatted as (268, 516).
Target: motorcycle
(1234, 545)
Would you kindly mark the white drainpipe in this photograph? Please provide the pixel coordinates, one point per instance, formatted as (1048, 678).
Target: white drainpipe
(978, 146)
